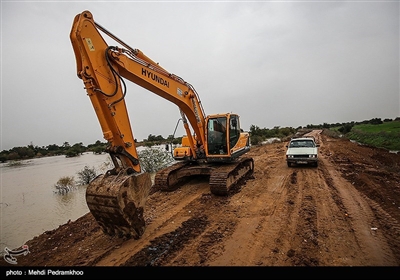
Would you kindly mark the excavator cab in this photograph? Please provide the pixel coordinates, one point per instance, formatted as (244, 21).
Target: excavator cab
(225, 139)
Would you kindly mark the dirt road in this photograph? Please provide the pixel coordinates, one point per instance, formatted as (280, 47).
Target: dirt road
(345, 212)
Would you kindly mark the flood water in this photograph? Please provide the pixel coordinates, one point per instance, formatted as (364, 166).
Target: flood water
(30, 203)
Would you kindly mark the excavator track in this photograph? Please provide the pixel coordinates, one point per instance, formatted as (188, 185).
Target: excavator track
(223, 178)
(117, 203)
(170, 178)
(167, 178)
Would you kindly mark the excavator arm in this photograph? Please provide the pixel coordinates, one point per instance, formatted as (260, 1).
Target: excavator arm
(102, 69)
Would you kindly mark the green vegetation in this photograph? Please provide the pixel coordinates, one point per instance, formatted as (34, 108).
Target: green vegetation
(31, 151)
(153, 159)
(66, 181)
(389, 127)
(153, 140)
(374, 132)
(86, 175)
(384, 135)
(258, 135)
(65, 184)
(15, 163)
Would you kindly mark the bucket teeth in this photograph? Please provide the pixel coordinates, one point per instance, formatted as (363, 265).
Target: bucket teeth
(117, 203)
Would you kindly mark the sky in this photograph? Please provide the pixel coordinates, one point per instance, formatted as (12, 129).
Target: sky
(275, 63)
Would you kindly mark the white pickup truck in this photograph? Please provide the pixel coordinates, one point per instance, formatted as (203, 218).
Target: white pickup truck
(302, 150)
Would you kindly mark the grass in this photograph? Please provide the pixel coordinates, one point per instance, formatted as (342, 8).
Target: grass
(388, 127)
(385, 135)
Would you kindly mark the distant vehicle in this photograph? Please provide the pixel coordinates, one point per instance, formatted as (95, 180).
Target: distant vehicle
(302, 150)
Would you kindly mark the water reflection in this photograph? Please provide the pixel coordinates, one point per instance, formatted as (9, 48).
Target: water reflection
(68, 202)
(29, 202)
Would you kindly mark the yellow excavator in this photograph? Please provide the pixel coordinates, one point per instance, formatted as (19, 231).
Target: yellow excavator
(213, 146)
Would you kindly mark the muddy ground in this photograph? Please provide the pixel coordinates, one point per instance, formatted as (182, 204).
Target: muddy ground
(343, 213)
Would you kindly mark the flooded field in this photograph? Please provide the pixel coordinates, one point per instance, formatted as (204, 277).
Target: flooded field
(30, 203)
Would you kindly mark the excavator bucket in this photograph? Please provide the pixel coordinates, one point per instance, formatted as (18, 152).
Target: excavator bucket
(117, 203)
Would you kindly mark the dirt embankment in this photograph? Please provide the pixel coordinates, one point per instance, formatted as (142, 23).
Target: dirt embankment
(345, 212)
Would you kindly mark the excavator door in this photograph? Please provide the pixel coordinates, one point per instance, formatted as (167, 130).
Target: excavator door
(225, 139)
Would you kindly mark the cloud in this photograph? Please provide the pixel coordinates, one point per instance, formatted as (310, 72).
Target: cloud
(273, 63)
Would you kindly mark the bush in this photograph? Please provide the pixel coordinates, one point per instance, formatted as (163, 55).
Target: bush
(86, 175)
(14, 163)
(346, 128)
(256, 139)
(154, 159)
(65, 184)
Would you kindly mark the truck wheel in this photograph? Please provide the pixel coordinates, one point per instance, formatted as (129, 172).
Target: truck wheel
(289, 164)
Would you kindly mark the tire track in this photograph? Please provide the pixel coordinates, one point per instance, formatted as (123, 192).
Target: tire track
(163, 215)
(263, 206)
(366, 249)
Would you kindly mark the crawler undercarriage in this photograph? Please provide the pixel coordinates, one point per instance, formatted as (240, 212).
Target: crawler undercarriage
(117, 201)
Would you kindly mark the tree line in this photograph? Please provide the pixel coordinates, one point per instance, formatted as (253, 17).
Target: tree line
(257, 136)
(31, 151)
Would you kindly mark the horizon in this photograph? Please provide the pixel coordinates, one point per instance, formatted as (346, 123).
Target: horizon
(141, 141)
